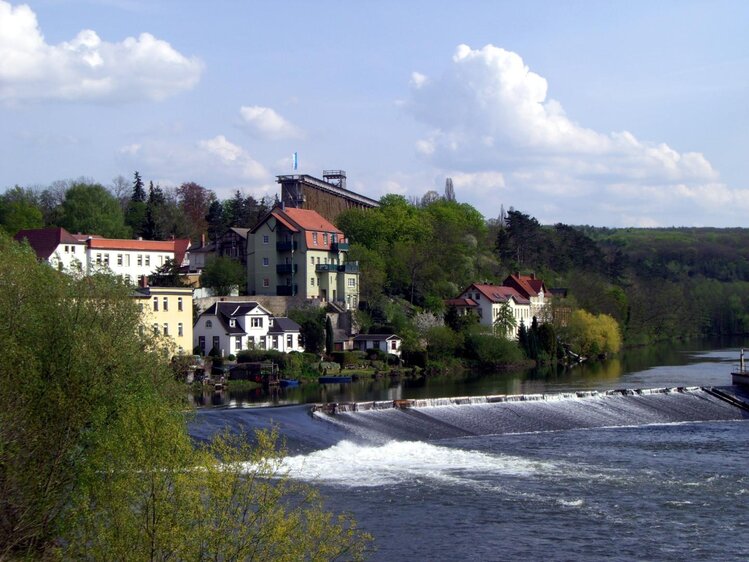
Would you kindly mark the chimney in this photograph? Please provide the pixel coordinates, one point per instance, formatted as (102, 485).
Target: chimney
(144, 281)
(202, 240)
(533, 275)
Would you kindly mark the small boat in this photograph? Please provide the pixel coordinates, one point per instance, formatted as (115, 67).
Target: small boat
(289, 382)
(333, 380)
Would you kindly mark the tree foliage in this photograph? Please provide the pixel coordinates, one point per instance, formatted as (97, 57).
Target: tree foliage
(591, 335)
(222, 275)
(91, 209)
(95, 459)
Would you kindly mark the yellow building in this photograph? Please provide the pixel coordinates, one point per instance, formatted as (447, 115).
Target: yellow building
(167, 311)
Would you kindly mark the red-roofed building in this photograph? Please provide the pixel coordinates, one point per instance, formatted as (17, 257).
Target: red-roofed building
(88, 253)
(526, 296)
(299, 252)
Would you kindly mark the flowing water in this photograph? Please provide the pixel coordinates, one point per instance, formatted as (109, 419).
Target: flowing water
(661, 474)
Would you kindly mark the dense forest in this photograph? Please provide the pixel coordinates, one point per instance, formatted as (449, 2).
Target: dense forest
(414, 253)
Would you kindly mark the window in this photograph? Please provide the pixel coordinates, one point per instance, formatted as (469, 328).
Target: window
(325, 260)
(266, 239)
(238, 343)
(312, 281)
(156, 329)
(140, 259)
(106, 259)
(180, 330)
(318, 259)
(166, 329)
(266, 282)
(352, 282)
(393, 345)
(201, 344)
(262, 342)
(314, 238)
(325, 238)
(274, 345)
(119, 259)
(232, 323)
(179, 304)
(289, 341)
(166, 304)
(98, 259)
(67, 249)
(256, 322)
(217, 344)
(148, 259)
(208, 324)
(312, 260)
(127, 279)
(266, 262)
(156, 304)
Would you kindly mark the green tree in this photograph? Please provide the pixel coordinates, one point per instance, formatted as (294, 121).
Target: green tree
(91, 209)
(222, 275)
(591, 335)
(95, 460)
(19, 210)
(329, 336)
(505, 322)
(311, 320)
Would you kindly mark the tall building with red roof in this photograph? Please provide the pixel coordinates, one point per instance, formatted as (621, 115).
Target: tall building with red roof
(299, 252)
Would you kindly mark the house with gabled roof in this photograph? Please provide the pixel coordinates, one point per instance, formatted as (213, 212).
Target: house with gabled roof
(229, 327)
(297, 252)
(388, 343)
(532, 288)
(486, 300)
(87, 253)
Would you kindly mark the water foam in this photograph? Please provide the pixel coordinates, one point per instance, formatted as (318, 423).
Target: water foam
(355, 465)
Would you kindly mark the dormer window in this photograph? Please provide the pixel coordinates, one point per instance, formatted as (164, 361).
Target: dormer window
(325, 238)
(314, 238)
(232, 323)
(208, 324)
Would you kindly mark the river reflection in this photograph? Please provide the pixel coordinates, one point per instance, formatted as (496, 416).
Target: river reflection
(663, 365)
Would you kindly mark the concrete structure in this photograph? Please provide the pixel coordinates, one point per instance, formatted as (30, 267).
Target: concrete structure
(297, 252)
(167, 311)
(132, 259)
(328, 196)
(230, 327)
(389, 343)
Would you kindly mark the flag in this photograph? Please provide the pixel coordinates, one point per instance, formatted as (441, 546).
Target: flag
(295, 160)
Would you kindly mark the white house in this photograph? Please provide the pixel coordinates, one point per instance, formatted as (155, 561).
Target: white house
(230, 327)
(487, 300)
(389, 343)
(131, 259)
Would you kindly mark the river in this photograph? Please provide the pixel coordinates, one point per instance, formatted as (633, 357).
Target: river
(655, 475)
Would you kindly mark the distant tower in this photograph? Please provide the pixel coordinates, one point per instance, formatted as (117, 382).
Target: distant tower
(335, 177)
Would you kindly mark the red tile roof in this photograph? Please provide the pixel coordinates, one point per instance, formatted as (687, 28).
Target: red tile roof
(44, 241)
(527, 285)
(498, 293)
(308, 219)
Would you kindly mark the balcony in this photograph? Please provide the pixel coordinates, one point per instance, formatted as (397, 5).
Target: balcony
(326, 267)
(286, 268)
(349, 267)
(287, 290)
(339, 246)
(286, 246)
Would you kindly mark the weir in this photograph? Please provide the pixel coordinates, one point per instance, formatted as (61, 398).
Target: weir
(304, 428)
(429, 419)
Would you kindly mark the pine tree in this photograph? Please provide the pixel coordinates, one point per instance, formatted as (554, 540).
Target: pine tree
(139, 193)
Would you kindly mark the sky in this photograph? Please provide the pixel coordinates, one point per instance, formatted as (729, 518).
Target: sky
(616, 113)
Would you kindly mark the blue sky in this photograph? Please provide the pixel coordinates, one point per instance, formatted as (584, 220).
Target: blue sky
(604, 113)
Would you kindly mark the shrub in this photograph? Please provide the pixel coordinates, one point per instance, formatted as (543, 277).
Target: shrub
(490, 350)
(231, 357)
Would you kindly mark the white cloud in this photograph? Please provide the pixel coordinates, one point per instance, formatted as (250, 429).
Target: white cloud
(265, 123)
(235, 157)
(216, 163)
(86, 68)
(490, 114)
(418, 79)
